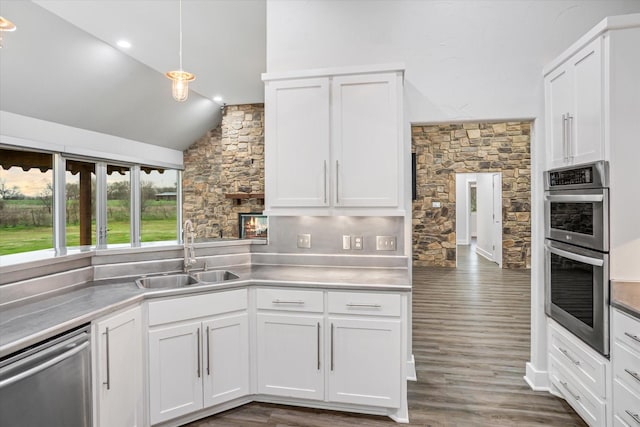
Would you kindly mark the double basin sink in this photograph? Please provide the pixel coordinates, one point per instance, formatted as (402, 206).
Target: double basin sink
(181, 280)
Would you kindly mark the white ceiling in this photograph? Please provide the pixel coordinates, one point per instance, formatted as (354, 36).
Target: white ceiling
(62, 64)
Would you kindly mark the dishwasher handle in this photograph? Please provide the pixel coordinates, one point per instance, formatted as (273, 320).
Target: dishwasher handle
(42, 366)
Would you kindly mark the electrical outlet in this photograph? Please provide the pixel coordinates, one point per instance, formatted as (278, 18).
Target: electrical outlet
(304, 241)
(435, 204)
(358, 242)
(386, 243)
(346, 242)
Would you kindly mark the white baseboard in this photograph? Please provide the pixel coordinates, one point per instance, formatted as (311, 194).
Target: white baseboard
(483, 253)
(537, 380)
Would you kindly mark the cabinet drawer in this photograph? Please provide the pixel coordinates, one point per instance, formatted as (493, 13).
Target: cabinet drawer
(581, 360)
(192, 307)
(626, 330)
(378, 304)
(586, 404)
(626, 367)
(626, 404)
(290, 300)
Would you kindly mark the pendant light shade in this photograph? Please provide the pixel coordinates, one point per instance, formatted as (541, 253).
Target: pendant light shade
(180, 79)
(5, 25)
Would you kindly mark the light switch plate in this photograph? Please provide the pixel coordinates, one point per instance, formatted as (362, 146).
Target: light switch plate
(435, 204)
(304, 241)
(346, 242)
(358, 242)
(386, 243)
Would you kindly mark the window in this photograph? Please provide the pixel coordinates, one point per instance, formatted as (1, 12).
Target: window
(26, 201)
(51, 201)
(158, 204)
(80, 196)
(118, 204)
(474, 198)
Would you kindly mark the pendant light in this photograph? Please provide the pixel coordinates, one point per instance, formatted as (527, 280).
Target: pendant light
(5, 25)
(180, 79)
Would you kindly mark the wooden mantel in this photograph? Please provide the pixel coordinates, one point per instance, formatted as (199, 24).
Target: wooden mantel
(238, 197)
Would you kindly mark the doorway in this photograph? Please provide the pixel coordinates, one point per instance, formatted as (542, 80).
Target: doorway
(479, 216)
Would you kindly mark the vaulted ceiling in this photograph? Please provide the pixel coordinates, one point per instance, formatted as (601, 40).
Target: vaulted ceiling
(62, 64)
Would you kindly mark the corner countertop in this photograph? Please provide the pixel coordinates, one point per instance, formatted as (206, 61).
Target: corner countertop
(23, 325)
(626, 297)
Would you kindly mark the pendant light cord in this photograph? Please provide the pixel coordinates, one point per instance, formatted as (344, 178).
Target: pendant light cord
(180, 51)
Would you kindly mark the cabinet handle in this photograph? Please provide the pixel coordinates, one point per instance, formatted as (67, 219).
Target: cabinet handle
(566, 386)
(198, 367)
(332, 346)
(635, 417)
(208, 354)
(324, 180)
(337, 182)
(633, 337)
(108, 382)
(318, 344)
(570, 136)
(354, 304)
(566, 353)
(633, 374)
(564, 137)
(279, 301)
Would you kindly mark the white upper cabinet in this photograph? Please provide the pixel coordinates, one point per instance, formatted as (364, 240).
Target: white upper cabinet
(297, 154)
(575, 109)
(334, 143)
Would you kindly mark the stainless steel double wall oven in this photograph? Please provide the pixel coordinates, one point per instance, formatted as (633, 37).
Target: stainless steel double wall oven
(577, 251)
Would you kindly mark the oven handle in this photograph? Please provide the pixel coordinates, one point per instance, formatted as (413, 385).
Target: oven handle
(579, 258)
(41, 367)
(575, 198)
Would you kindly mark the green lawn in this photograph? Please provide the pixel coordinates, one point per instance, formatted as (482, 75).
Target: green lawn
(24, 239)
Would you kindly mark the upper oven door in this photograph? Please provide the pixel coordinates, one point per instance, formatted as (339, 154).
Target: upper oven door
(578, 217)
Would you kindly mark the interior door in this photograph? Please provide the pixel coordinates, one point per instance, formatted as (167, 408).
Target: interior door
(496, 179)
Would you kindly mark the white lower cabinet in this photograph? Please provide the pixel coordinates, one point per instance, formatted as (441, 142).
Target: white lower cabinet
(625, 358)
(196, 364)
(118, 370)
(289, 355)
(365, 357)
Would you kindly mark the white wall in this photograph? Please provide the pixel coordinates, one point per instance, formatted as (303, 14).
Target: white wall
(462, 207)
(465, 59)
(484, 203)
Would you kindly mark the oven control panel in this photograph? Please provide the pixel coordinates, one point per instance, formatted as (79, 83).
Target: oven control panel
(571, 177)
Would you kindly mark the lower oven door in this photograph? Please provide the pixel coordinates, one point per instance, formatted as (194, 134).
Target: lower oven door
(49, 385)
(577, 292)
(578, 217)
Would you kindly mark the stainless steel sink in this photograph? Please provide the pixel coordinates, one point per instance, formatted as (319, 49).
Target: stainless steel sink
(214, 276)
(168, 281)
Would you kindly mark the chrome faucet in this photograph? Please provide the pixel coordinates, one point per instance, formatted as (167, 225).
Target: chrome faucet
(188, 235)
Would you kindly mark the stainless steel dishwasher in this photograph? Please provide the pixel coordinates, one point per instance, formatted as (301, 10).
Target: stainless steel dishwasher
(48, 384)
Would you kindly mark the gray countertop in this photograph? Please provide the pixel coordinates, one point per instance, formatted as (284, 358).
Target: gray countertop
(626, 297)
(27, 324)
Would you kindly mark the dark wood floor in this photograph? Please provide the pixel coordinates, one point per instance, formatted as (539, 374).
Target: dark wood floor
(470, 342)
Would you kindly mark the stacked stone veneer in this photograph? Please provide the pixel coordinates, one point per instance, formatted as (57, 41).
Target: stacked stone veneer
(444, 150)
(228, 159)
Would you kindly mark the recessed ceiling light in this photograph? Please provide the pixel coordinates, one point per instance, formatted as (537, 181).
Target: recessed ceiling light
(125, 44)
(217, 98)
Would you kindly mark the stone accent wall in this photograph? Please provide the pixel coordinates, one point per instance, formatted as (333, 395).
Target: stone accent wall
(444, 150)
(228, 159)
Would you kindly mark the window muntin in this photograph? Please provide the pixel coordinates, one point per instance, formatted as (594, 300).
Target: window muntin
(26, 201)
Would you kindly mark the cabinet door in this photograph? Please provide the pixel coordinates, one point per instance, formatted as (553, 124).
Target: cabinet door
(366, 140)
(289, 356)
(119, 370)
(559, 104)
(297, 143)
(226, 359)
(175, 371)
(365, 361)
(587, 118)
